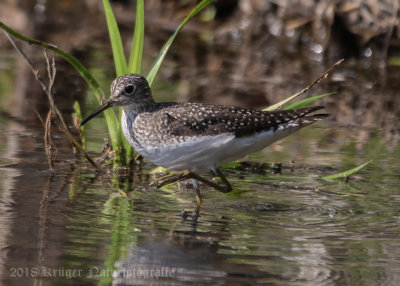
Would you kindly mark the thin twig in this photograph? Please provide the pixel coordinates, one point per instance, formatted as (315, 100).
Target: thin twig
(51, 72)
(30, 65)
(307, 88)
(72, 60)
(48, 142)
(64, 126)
(324, 75)
(53, 107)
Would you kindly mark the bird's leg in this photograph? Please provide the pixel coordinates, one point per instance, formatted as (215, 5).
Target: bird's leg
(224, 189)
(184, 175)
(168, 179)
(197, 192)
(171, 178)
(224, 180)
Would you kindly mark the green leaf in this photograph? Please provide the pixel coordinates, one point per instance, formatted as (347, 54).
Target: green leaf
(116, 42)
(346, 173)
(77, 109)
(135, 59)
(157, 63)
(307, 101)
(112, 121)
(78, 114)
(281, 103)
(394, 61)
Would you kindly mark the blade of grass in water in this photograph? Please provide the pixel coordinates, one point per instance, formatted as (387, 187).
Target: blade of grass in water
(111, 118)
(116, 42)
(78, 114)
(346, 173)
(121, 67)
(307, 101)
(157, 63)
(135, 59)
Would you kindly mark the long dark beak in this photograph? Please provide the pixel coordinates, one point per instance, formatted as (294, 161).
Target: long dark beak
(101, 108)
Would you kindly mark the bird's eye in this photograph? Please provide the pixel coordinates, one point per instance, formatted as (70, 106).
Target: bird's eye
(129, 89)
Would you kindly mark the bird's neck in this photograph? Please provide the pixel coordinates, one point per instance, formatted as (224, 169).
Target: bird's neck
(129, 114)
(133, 110)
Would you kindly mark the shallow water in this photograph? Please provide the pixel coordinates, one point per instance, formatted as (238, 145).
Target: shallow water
(74, 227)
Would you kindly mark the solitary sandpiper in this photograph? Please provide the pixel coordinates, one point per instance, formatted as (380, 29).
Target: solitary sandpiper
(191, 137)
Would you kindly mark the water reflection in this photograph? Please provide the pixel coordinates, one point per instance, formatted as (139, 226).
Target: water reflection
(288, 229)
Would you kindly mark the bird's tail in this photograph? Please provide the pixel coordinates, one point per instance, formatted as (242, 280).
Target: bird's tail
(306, 115)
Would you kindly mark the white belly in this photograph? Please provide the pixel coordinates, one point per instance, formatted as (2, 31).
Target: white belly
(194, 154)
(208, 152)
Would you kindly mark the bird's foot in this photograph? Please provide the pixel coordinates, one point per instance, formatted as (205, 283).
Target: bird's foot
(170, 178)
(176, 177)
(184, 175)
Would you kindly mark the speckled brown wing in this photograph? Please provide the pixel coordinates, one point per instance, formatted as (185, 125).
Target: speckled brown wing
(192, 119)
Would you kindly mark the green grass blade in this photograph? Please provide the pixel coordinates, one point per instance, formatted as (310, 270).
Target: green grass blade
(307, 101)
(112, 121)
(393, 61)
(79, 117)
(135, 59)
(281, 103)
(121, 68)
(115, 38)
(157, 63)
(346, 173)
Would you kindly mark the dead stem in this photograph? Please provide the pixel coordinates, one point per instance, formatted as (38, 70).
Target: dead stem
(51, 72)
(54, 111)
(307, 88)
(48, 142)
(324, 75)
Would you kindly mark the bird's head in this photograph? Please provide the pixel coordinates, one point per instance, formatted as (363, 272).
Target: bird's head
(127, 90)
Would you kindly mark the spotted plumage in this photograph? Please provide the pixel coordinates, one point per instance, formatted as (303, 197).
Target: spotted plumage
(179, 122)
(195, 136)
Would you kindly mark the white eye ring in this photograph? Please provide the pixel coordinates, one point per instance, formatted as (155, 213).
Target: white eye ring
(129, 89)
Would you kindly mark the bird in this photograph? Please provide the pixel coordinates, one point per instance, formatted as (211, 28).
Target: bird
(193, 137)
